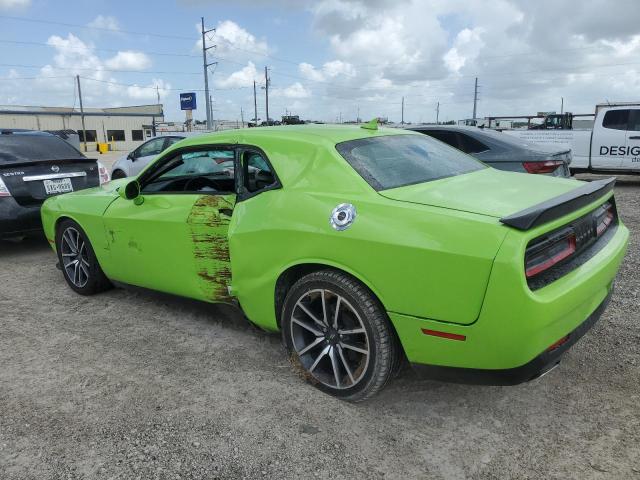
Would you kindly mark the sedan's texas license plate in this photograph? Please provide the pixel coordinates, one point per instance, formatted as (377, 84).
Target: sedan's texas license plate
(59, 185)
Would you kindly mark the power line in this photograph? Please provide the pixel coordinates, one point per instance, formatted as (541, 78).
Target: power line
(261, 53)
(107, 50)
(93, 69)
(154, 86)
(87, 27)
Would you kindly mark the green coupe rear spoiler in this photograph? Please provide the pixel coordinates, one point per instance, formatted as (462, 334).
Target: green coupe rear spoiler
(559, 206)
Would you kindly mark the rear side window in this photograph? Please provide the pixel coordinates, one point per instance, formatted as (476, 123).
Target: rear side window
(450, 138)
(634, 121)
(468, 144)
(152, 147)
(398, 160)
(616, 119)
(257, 172)
(172, 140)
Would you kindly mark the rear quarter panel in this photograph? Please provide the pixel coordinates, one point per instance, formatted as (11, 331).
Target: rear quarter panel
(424, 261)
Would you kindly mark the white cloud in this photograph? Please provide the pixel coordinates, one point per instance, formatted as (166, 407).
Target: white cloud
(14, 4)
(467, 44)
(105, 22)
(129, 60)
(148, 92)
(295, 90)
(239, 79)
(329, 70)
(231, 39)
(100, 88)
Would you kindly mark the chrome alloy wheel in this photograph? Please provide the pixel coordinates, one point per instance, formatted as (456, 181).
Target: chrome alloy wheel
(75, 258)
(330, 339)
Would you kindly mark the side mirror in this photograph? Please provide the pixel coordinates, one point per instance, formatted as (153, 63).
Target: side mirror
(131, 156)
(130, 191)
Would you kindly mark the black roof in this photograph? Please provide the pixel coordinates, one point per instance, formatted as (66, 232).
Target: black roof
(24, 146)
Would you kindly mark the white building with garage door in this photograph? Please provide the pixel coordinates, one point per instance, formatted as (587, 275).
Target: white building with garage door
(124, 128)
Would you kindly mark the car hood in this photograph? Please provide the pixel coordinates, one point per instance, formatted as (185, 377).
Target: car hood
(491, 192)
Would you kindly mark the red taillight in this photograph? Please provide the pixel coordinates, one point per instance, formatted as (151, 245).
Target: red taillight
(546, 255)
(542, 167)
(4, 191)
(103, 173)
(604, 219)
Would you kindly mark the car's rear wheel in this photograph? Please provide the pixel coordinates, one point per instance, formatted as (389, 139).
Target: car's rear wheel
(117, 174)
(78, 260)
(338, 335)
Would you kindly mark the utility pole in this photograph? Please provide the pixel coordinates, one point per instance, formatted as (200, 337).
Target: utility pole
(561, 105)
(266, 93)
(475, 99)
(255, 104)
(438, 114)
(402, 115)
(158, 94)
(205, 66)
(84, 131)
(211, 110)
(242, 116)
(358, 116)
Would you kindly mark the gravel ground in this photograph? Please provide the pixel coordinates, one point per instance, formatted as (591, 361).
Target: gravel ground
(132, 384)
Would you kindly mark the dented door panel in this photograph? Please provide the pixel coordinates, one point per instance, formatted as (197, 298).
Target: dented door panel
(209, 225)
(175, 243)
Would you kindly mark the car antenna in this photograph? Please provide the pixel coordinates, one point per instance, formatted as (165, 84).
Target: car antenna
(371, 125)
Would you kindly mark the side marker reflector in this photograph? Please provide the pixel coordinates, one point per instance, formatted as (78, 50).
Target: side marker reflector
(450, 336)
(557, 344)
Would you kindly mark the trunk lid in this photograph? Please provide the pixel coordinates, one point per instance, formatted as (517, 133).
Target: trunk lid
(491, 192)
(26, 181)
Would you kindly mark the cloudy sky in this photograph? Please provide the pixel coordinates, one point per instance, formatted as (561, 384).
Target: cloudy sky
(327, 59)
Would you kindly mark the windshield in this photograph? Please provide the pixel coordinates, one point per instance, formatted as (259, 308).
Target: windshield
(397, 160)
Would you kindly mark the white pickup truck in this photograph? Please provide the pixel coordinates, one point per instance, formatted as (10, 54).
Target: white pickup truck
(612, 146)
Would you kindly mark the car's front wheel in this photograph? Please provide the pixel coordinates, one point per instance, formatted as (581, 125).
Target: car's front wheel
(117, 174)
(78, 260)
(338, 335)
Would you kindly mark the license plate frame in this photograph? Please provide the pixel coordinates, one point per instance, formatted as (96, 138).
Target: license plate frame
(57, 186)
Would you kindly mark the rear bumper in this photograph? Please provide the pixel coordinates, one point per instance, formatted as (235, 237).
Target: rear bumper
(516, 325)
(17, 220)
(541, 364)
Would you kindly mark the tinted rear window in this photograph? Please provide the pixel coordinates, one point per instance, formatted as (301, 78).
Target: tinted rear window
(28, 147)
(616, 119)
(398, 160)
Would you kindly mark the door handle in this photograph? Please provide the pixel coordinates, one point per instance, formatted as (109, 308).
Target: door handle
(227, 212)
(635, 137)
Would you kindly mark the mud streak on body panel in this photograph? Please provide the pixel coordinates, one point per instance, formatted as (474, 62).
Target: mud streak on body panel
(209, 230)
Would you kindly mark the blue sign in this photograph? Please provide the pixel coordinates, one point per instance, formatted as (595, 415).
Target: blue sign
(188, 101)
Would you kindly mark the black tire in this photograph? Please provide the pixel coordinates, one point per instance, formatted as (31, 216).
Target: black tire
(118, 174)
(364, 312)
(96, 281)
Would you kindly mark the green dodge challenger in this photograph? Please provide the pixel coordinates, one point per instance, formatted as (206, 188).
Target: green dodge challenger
(366, 247)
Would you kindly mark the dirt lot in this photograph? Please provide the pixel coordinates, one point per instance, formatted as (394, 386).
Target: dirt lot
(133, 384)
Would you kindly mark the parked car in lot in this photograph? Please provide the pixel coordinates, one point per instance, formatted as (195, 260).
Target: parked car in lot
(363, 246)
(612, 145)
(502, 151)
(135, 161)
(34, 166)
